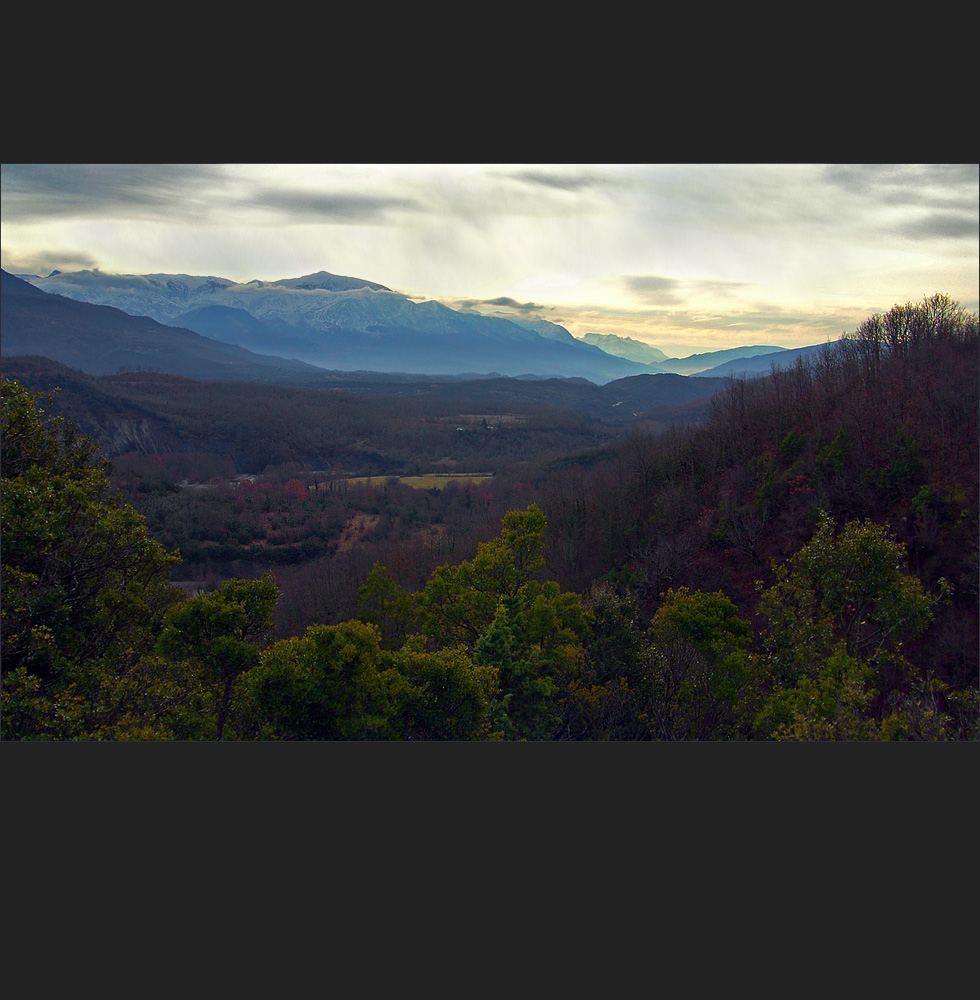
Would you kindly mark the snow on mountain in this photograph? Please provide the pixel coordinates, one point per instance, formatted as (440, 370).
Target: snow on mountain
(326, 281)
(551, 331)
(344, 322)
(160, 296)
(317, 302)
(626, 347)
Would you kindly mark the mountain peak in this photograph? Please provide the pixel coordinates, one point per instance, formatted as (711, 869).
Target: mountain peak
(328, 282)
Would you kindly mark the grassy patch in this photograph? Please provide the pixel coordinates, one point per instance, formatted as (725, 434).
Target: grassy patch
(434, 480)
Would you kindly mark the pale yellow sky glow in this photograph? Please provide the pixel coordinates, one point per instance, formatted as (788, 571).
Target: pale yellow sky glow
(688, 257)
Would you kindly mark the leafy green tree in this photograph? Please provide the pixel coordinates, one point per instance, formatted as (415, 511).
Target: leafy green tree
(600, 703)
(836, 618)
(446, 696)
(329, 684)
(84, 587)
(218, 634)
(337, 683)
(696, 667)
(831, 702)
(459, 603)
(383, 603)
(844, 586)
(528, 631)
(548, 630)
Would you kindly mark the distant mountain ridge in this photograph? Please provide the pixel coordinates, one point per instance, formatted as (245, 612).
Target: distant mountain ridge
(761, 364)
(626, 347)
(101, 340)
(343, 323)
(709, 362)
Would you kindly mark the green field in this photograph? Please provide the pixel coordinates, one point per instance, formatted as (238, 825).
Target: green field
(436, 480)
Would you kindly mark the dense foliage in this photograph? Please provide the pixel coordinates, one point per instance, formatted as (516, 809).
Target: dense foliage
(802, 566)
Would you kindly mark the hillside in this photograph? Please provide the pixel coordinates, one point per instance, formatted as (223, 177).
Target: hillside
(884, 427)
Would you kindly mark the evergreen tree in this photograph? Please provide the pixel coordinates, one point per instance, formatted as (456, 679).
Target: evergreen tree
(84, 587)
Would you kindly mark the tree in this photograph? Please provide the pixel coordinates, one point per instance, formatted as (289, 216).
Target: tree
(599, 703)
(218, 633)
(836, 620)
(383, 603)
(696, 667)
(337, 683)
(529, 632)
(445, 696)
(329, 684)
(842, 586)
(84, 587)
(459, 603)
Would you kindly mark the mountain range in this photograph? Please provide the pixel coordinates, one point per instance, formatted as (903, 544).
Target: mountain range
(101, 340)
(341, 323)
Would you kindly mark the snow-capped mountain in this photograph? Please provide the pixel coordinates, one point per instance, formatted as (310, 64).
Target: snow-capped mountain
(626, 347)
(343, 323)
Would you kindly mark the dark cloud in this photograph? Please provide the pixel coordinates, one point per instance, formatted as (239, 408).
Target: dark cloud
(561, 179)
(317, 206)
(503, 300)
(941, 225)
(935, 184)
(182, 190)
(76, 189)
(945, 194)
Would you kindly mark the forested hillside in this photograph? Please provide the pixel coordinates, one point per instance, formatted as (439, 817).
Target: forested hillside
(800, 565)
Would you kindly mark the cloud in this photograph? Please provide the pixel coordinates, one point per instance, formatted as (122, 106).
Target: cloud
(563, 179)
(938, 189)
(941, 225)
(319, 207)
(653, 288)
(43, 263)
(906, 183)
(722, 247)
(201, 192)
(501, 305)
(504, 300)
(73, 190)
(659, 290)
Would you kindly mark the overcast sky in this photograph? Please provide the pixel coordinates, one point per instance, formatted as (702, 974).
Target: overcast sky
(690, 258)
